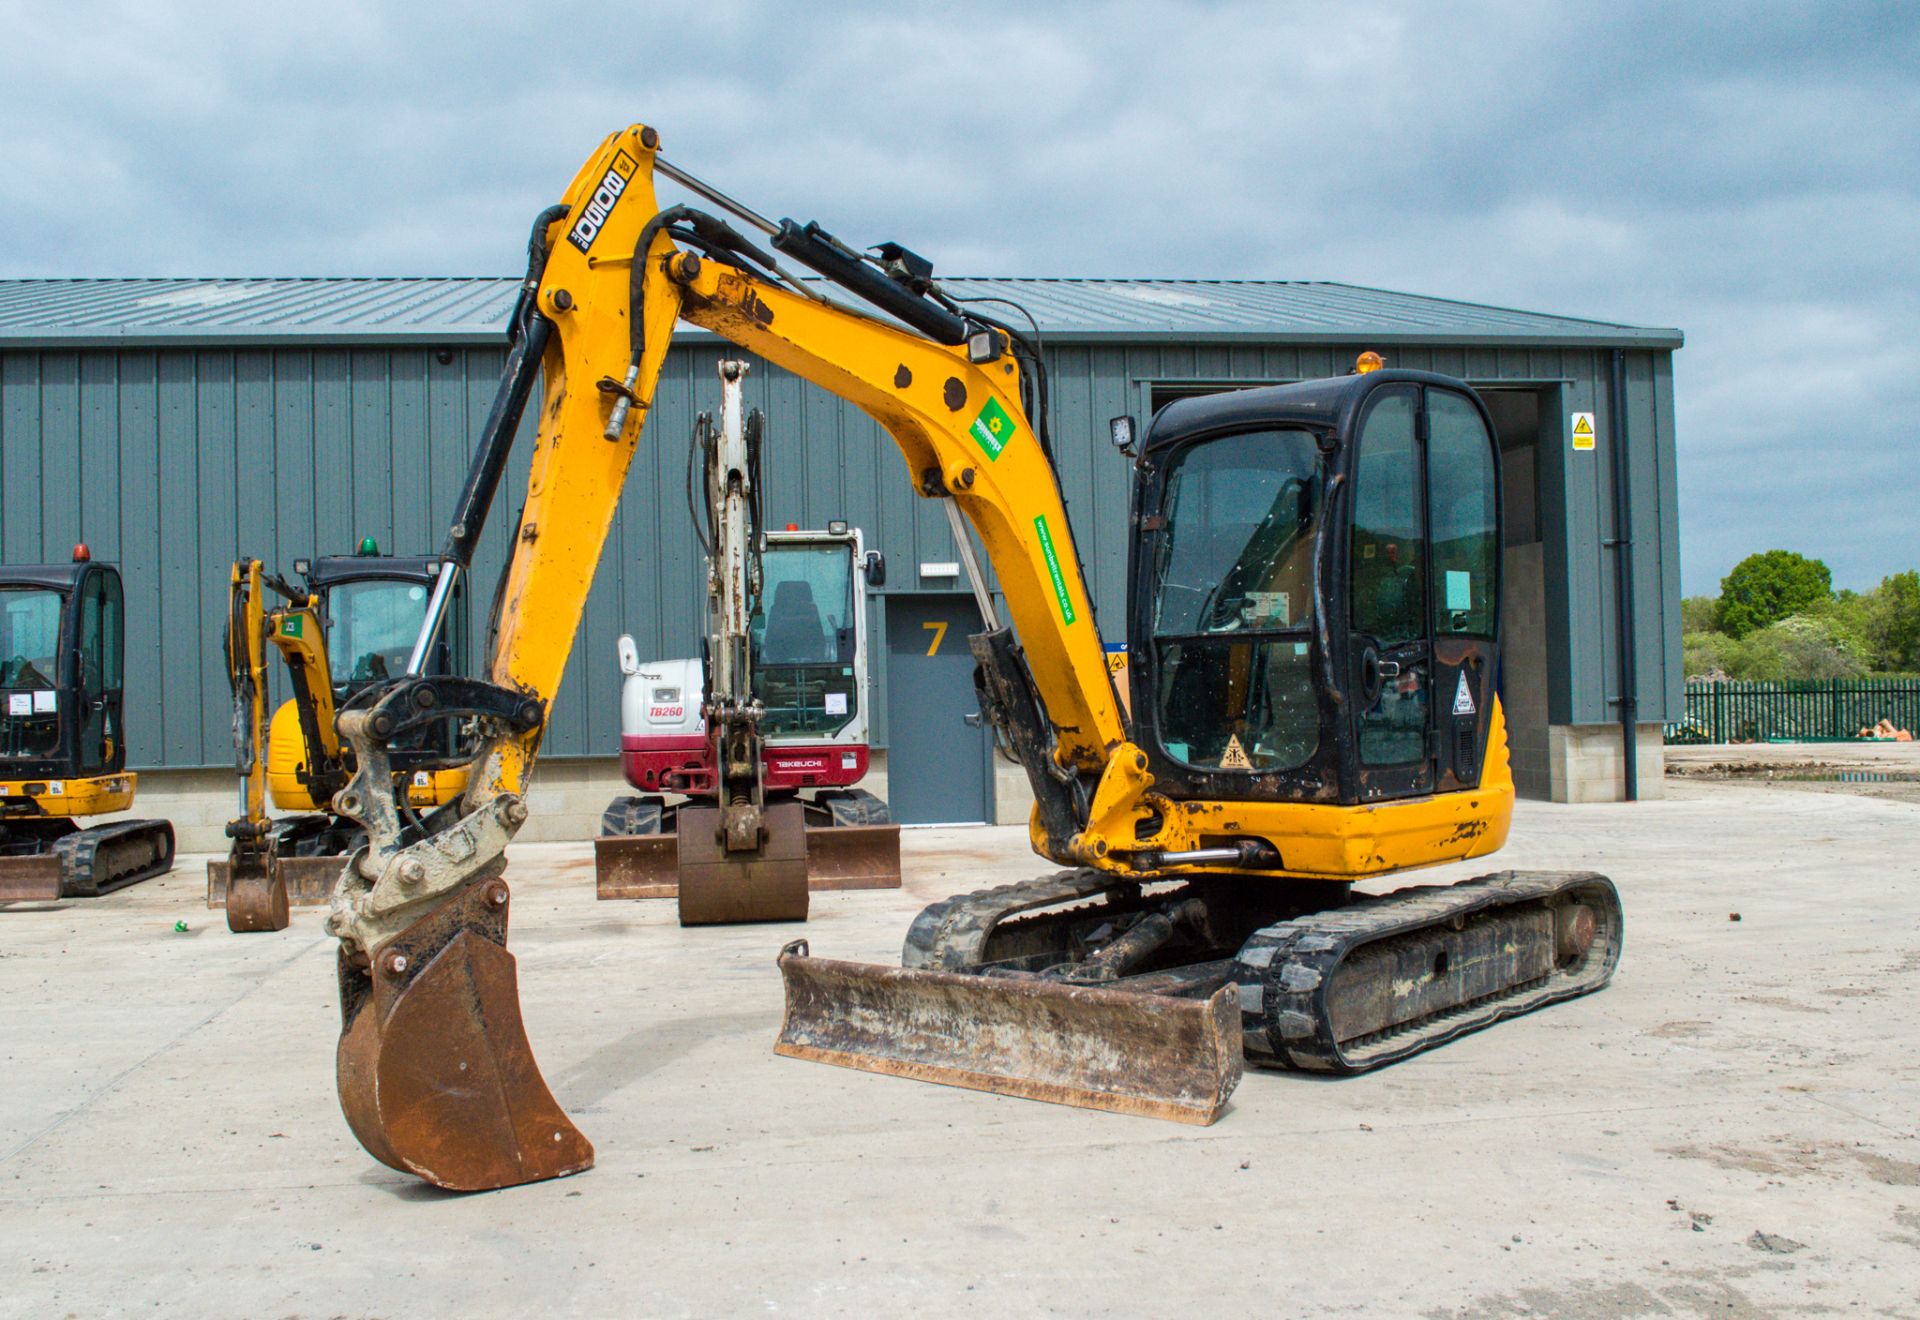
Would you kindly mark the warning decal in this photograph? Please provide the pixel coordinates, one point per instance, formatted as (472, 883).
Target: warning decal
(1463, 699)
(1583, 430)
(1235, 757)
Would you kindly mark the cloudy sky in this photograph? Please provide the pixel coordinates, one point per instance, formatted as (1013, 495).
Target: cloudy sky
(1748, 173)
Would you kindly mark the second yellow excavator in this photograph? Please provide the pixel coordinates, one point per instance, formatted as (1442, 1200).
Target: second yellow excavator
(1313, 633)
(348, 625)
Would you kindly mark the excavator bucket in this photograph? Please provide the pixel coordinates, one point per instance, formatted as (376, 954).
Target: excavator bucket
(1128, 1053)
(256, 897)
(436, 1076)
(718, 887)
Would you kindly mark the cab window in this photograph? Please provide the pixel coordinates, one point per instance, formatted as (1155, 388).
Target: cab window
(802, 636)
(1465, 526)
(372, 628)
(1233, 602)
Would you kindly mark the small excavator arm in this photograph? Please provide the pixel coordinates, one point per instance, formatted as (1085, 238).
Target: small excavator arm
(256, 895)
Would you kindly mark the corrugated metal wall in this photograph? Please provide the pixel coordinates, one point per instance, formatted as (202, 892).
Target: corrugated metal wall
(172, 462)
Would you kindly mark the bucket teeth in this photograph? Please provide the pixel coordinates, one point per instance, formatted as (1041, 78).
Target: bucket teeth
(435, 1073)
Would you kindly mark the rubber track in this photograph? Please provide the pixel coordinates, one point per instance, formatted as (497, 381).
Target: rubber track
(951, 935)
(103, 858)
(1283, 970)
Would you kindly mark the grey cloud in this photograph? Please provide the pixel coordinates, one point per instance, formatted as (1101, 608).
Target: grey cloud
(1744, 172)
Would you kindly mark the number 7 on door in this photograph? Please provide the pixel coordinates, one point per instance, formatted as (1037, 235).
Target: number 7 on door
(939, 629)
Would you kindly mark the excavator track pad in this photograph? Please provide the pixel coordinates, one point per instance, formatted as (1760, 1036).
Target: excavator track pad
(436, 1076)
(1358, 987)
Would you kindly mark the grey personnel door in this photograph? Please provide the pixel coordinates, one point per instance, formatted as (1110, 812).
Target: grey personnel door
(937, 760)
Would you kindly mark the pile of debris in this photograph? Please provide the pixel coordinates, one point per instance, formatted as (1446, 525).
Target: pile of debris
(1885, 731)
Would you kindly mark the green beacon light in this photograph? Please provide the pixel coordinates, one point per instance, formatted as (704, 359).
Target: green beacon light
(369, 546)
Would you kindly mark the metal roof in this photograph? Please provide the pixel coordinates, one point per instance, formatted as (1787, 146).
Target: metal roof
(93, 313)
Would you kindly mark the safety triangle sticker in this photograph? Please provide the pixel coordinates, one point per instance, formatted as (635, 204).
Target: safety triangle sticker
(1235, 757)
(1463, 699)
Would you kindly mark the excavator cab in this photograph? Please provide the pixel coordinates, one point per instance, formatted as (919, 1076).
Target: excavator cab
(1316, 586)
(62, 752)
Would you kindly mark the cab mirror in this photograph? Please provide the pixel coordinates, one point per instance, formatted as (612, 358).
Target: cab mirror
(876, 569)
(629, 655)
(1121, 432)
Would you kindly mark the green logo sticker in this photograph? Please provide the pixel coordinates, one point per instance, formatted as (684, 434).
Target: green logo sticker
(290, 626)
(992, 429)
(1053, 568)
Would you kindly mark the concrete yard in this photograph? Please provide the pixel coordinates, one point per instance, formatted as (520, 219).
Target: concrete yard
(1731, 1129)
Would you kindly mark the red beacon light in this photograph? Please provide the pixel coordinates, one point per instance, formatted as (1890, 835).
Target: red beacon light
(81, 554)
(793, 527)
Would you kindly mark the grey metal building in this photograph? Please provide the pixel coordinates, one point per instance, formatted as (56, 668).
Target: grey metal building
(174, 424)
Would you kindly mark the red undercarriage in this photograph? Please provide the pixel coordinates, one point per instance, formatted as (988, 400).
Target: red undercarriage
(686, 765)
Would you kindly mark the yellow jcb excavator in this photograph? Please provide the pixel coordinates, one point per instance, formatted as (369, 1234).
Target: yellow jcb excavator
(1312, 628)
(63, 749)
(349, 625)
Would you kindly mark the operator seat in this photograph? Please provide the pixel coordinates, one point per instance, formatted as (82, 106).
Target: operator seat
(794, 635)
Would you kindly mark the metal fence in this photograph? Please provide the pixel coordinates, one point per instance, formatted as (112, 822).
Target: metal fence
(1812, 710)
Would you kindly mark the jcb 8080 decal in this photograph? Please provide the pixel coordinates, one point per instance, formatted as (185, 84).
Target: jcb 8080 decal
(594, 214)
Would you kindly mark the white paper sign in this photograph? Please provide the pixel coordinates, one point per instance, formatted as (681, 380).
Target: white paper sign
(836, 703)
(1459, 590)
(46, 701)
(19, 703)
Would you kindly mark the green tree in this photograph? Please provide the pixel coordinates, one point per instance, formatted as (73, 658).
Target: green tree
(1800, 646)
(1765, 588)
(1699, 614)
(1892, 623)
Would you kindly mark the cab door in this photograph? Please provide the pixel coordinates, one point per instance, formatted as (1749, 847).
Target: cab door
(1389, 643)
(98, 680)
(1463, 582)
(1423, 573)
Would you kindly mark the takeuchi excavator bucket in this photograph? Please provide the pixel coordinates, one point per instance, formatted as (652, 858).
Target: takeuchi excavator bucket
(1129, 1053)
(436, 1076)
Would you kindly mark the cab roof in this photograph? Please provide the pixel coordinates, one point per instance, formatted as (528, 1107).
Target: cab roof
(1314, 403)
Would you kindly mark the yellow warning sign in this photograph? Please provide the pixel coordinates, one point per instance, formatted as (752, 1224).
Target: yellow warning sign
(1583, 430)
(1235, 757)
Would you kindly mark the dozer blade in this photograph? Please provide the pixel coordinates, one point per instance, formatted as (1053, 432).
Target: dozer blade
(30, 879)
(1128, 1053)
(436, 1076)
(838, 857)
(256, 892)
(717, 886)
(636, 866)
(309, 880)
(853, 857)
